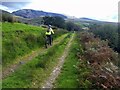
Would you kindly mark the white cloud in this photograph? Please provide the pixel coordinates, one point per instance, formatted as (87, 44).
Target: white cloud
(4, 8)
(97, 9)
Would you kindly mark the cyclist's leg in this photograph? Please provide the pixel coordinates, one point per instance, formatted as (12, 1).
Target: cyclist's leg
(50, 39)
(46, 41)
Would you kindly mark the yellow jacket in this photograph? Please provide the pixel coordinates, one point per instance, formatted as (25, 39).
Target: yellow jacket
(50, 32)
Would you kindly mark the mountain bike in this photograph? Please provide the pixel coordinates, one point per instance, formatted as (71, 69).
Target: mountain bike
(47, 42)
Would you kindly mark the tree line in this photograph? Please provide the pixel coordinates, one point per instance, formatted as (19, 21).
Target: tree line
(61, 23)
(56, 21)
(8, 17)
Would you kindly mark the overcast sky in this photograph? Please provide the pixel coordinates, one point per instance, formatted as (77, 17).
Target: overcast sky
(105, 10)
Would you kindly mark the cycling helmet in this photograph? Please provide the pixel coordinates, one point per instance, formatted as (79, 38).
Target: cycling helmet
(49, 25)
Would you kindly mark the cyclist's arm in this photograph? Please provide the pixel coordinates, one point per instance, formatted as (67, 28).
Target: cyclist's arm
(52, 31)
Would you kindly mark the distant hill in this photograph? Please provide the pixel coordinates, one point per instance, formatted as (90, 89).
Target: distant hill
(29, 13)
(35, 17)
(3, 11)
(84, 19)
(95, 21)
(88, 19)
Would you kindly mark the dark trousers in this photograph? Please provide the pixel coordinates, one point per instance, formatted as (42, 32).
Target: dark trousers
(49, 38)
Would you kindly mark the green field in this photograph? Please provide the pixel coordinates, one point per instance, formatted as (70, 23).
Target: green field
(19, 39)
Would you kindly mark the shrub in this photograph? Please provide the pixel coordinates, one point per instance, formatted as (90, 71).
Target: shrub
(100, 57)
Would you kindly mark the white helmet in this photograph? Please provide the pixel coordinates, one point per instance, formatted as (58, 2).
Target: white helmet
(49, 25)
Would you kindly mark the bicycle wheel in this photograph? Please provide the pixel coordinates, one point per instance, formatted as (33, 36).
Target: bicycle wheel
(47, 42)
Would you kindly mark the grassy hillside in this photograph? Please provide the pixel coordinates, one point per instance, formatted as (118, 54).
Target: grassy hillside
(19, 39)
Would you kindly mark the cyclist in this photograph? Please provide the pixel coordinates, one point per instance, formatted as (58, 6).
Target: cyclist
(49, 34)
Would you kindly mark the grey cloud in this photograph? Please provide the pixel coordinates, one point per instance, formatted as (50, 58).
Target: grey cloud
(15, 5)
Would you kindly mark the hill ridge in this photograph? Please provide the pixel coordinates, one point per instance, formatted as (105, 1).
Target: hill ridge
(30, 13)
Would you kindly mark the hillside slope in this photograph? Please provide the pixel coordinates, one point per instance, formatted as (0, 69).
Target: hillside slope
(29, 13)
(19, 39)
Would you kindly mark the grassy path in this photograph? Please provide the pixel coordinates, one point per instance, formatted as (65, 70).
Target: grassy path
(68, 77)
(49, 82)
(20, 61)
(33, 73)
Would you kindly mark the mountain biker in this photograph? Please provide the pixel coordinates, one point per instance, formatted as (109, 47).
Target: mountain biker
(49, 34)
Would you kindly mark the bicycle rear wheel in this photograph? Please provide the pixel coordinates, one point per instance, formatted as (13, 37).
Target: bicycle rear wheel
(47, 42)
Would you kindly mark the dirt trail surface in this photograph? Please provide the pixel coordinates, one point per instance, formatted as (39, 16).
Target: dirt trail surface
(56, 71)
(23, 60)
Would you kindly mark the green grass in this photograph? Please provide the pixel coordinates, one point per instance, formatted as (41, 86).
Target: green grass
(68, 77)
(1, 75)
(19, 26)
(34, 73)
(19, 39)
